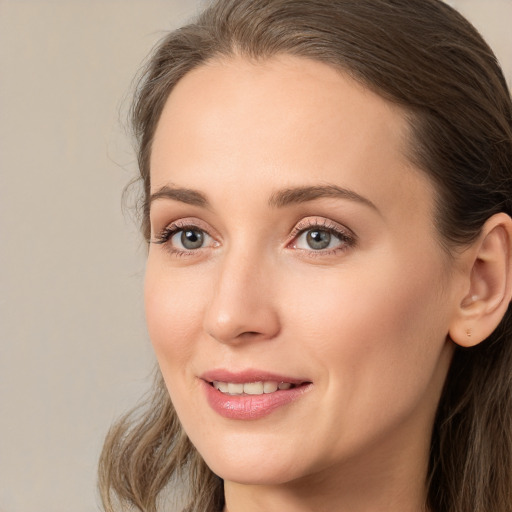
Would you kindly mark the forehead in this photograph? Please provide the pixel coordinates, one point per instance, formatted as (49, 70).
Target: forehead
(288, 120)
(293, 95)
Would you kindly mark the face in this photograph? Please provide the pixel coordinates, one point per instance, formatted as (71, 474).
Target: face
(297, 296)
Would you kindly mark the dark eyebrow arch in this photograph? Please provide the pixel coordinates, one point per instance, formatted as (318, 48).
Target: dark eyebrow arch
(297, 195)
(279, 199)
(184, 195)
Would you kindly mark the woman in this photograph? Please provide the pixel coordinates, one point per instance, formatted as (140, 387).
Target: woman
(327, 201)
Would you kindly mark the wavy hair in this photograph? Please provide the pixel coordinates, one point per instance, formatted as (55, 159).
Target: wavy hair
(425, 57)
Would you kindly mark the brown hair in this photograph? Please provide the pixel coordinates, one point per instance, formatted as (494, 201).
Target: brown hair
(424, 56)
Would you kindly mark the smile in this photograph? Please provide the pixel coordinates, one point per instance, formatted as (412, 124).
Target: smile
(251, 395)
(251, 388)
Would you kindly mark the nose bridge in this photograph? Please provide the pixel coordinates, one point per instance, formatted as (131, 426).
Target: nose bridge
(241, 305)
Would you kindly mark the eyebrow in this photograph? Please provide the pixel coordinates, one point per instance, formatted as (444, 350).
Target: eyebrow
(279, 199)
(184, 195)
(298, 195)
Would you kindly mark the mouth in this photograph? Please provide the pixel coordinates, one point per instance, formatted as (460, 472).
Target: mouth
(253, 388)
(251, 394)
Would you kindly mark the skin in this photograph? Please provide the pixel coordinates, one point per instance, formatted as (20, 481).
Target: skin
(366, 321)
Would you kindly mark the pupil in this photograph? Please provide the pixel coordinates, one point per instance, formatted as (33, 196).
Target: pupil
(318, 239)
(191, 239)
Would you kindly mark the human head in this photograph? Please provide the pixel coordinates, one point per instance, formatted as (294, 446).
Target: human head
(421, 55)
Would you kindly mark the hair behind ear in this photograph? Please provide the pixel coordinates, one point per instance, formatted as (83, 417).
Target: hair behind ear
(472, 435)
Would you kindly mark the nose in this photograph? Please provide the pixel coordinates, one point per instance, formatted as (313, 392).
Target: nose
(242, 306)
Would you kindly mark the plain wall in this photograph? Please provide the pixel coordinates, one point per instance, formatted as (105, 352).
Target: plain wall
(74, 353)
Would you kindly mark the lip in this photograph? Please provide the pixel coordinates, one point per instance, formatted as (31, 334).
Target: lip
(248, 376)
(250, 407)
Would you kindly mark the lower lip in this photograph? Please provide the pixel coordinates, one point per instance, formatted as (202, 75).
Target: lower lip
(250, 407)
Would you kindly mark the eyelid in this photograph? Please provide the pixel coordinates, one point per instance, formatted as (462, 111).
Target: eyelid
(346, 236)
(163, 236)
(182, 223)
(321, 222)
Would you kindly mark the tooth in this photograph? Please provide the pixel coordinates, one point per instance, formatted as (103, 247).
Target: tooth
(253, 388)
(235, 389)
(269, 387)
(221, 386)
(250, 388)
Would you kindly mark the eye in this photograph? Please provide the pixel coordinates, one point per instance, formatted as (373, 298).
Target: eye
(189, 239)
(316, 239)
(184, 239)
(322, 236)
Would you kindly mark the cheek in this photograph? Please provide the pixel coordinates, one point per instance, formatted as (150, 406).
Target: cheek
(383, 305)
(377, 334)
(174, 314)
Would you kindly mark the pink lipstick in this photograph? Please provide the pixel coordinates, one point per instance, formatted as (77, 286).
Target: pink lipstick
(251, 394)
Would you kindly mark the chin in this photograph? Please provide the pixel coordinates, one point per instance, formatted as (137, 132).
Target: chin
(253, 467)
(264, 475)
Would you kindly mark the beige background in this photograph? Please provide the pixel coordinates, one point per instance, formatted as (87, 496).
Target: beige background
(73, 349)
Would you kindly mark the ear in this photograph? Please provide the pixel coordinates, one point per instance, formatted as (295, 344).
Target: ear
(488, 288)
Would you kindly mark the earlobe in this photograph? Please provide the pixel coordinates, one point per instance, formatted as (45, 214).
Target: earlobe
(489, 280)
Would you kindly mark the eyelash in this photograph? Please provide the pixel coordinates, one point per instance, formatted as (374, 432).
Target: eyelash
(345, 236)
(164, 237)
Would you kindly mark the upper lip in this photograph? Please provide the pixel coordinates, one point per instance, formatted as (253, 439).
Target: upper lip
(249, 375)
